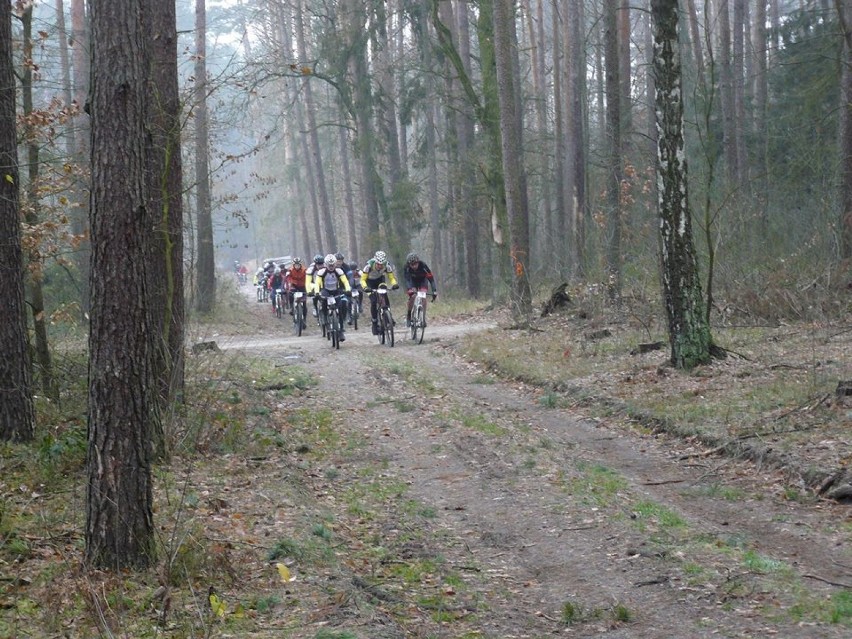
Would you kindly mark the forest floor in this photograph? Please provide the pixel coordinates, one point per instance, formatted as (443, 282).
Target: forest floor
(499, 483)
(461, 503)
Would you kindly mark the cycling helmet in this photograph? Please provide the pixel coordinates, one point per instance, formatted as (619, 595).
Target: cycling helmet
(318, 259)
(277, 271)
(297, 260)
(412, 257)
(381, 257)
(339, 256)
(330, 260)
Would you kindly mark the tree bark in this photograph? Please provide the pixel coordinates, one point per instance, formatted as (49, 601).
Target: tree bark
(613, 141)
(119, 516)
(32, 210)
(514, 170)
(205, 268)
(165, 175)
(468, 205)
(17, 416)
(845, 14)
(688, 328)
(80, 63)
(330, 235)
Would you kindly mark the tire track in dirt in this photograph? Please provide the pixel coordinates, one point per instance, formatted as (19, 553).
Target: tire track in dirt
(511, 519)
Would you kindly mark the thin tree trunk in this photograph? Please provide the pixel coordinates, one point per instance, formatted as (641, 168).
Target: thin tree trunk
(689, 331)
(727, 93)
(206, 267)
(472, 217)
(514, 171)
(577, 126)
(17, 415)
(32, 211)
(845, 14)
(80, 65)
(348, 195)
(613, 140)
(312, 134)
(738, 68)
(760, 103)
(165, 266)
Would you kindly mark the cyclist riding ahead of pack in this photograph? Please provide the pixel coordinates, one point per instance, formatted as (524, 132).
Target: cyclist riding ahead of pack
(373, 274)
(332, 281)
(415, 275)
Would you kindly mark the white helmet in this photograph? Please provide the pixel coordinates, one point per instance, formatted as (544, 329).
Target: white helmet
(330, 260)
(381, 257)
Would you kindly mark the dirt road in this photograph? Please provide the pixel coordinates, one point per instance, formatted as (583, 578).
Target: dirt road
(537, 521)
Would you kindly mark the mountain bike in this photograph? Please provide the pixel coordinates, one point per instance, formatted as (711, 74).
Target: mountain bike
(417, 323)
(355, 308)
(332, 318)
(278, 303)
(300, 313)
(384, 316)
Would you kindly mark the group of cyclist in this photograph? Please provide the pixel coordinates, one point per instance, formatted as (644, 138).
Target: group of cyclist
(331, 276)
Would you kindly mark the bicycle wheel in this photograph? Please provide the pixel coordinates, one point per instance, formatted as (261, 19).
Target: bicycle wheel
(387, 320)
(298, 319)
(419, 321)
(278, 306)
(413, 327)
(335, 329)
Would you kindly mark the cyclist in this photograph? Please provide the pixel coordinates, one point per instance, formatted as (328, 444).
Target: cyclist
(373, 274)
(296, 279)
(276, 282)
(316, 265)
(331, 280)
(415, 275)
(355, 280)
(347, 268)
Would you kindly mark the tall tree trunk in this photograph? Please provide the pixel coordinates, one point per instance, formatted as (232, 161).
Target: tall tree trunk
(32, 215)
(739, 86)
(80, 65)
(562, 243)
(761, 155)
(119, 513)
(330, 235)
(514, 171)
(165, 175)
(542, 234)
(17, 415)
(695, 39)
(689, 330)
(577, 126)
(205, 268)
(348, 195)
(726, 87)
(614, 160)
(470, 211)
(400, 209)
(845, 14)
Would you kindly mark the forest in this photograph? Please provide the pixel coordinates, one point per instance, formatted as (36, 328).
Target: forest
(515, 145)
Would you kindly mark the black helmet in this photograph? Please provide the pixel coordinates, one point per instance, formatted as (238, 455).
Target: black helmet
(318, 259)
(339, 256)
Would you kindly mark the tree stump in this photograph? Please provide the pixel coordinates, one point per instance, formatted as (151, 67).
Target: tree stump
(844, 393)
(200, 347)
(558, 298)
